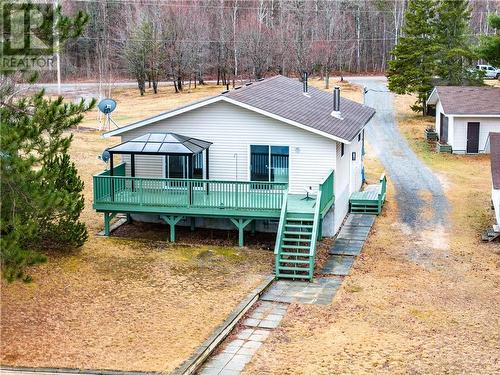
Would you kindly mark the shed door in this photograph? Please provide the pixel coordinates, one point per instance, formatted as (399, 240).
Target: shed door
(472, 137)
(443, 131)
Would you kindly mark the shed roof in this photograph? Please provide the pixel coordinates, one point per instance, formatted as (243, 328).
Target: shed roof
(467, 100)
(495, 159)
(282, 98)
(161, 144)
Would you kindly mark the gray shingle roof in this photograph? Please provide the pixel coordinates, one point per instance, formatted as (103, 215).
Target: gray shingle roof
(495, 159)
(465, 100)
(284, 97)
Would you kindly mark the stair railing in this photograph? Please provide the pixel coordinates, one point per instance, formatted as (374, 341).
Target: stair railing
(279, 234)
(314, 234)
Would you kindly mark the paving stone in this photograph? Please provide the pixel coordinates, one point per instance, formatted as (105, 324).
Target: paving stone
(274, 317)
(245, 333)
(229, 372)
(220, 360)
(344, 246)
(338, 265)
(251, 322)
(354, 232)
(269, 324)
(361, 220)
(238, 362)
(210, 371)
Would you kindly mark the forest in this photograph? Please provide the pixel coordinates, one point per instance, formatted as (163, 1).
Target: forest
(228, 40)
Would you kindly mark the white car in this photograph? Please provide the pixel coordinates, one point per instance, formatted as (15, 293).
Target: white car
(489, 71)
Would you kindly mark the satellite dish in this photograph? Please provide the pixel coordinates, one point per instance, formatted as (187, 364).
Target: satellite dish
(105, 156)
(107, 106)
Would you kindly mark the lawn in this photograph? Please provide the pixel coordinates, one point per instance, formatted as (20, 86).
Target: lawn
(129, 302)
(393, 315)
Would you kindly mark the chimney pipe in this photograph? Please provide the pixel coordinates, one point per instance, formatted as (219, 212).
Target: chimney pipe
(336, 102)
(305, 83)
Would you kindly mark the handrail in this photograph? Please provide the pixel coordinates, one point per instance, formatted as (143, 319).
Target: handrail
(270, 183)
(195, 193)
(383, 187)
(327, 188)
(314, 234)
(277, 244)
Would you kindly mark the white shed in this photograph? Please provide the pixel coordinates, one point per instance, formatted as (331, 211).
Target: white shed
(465, 116)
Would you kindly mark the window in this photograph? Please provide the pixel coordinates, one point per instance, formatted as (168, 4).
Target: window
(198, 165)
(342, 149)
(269, 163)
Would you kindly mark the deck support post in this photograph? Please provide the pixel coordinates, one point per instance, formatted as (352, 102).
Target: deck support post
(172, 221)
(240, 224)
(253, 227)
(193, 224)
(129, 218)
(107, 219)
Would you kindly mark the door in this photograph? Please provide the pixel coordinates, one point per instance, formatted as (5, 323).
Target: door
(472, 137)
(443, 130)
(269, 163)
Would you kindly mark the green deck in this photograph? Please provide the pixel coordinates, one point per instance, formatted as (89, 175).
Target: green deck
(174, 199)
(370, 200)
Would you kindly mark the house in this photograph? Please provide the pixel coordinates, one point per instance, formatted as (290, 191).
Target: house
(494, 148)
(273, 155)
(465, 116)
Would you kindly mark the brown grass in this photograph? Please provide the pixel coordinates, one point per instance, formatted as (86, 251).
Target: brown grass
(394, 316)
(124, 303)
(133, 107)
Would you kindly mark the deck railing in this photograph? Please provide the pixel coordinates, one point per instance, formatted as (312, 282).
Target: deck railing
(195, 193)
(326, 187)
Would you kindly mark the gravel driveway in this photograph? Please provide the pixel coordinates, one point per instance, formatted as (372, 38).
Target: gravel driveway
(413, 180)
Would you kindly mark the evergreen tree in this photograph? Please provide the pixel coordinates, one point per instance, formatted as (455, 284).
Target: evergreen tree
(452, 35)
(41, 193)
(413, 66)
(489, 48)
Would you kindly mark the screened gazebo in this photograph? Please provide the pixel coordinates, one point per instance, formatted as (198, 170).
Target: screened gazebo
(183, 155)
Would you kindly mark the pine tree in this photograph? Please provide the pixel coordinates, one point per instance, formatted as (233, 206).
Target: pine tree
(413, 66)
(489, 48)
(454, 55)
(41, 190)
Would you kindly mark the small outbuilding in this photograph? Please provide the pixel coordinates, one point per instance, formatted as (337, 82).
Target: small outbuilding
(465, 116)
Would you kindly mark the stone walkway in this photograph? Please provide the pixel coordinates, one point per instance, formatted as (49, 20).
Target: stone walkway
(273, 304)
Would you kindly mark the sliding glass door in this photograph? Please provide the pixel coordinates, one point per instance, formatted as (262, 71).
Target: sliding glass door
(269, 163)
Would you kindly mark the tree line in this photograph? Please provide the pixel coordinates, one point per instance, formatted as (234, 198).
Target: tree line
(437, 49)
(229, 40)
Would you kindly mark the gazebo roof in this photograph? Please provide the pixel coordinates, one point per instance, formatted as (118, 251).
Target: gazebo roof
(161, 144)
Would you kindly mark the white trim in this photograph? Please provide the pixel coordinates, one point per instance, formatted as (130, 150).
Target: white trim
(431, 96)
(214, 100)
(473, 115)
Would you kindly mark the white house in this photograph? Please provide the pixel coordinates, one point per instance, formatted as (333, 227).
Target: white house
(465, 116)
(274, 154)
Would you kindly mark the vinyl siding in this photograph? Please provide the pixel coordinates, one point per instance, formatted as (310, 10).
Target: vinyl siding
(486, 125)
(232, 130)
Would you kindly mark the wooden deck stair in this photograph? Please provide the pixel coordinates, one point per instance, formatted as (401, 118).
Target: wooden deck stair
(295, 249)
(370, 200)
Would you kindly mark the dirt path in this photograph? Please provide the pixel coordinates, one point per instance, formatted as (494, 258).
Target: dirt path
(414, 181)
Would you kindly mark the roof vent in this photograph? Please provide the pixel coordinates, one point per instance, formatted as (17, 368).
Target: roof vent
(248, 83)
(225, 92)
(336, 103)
